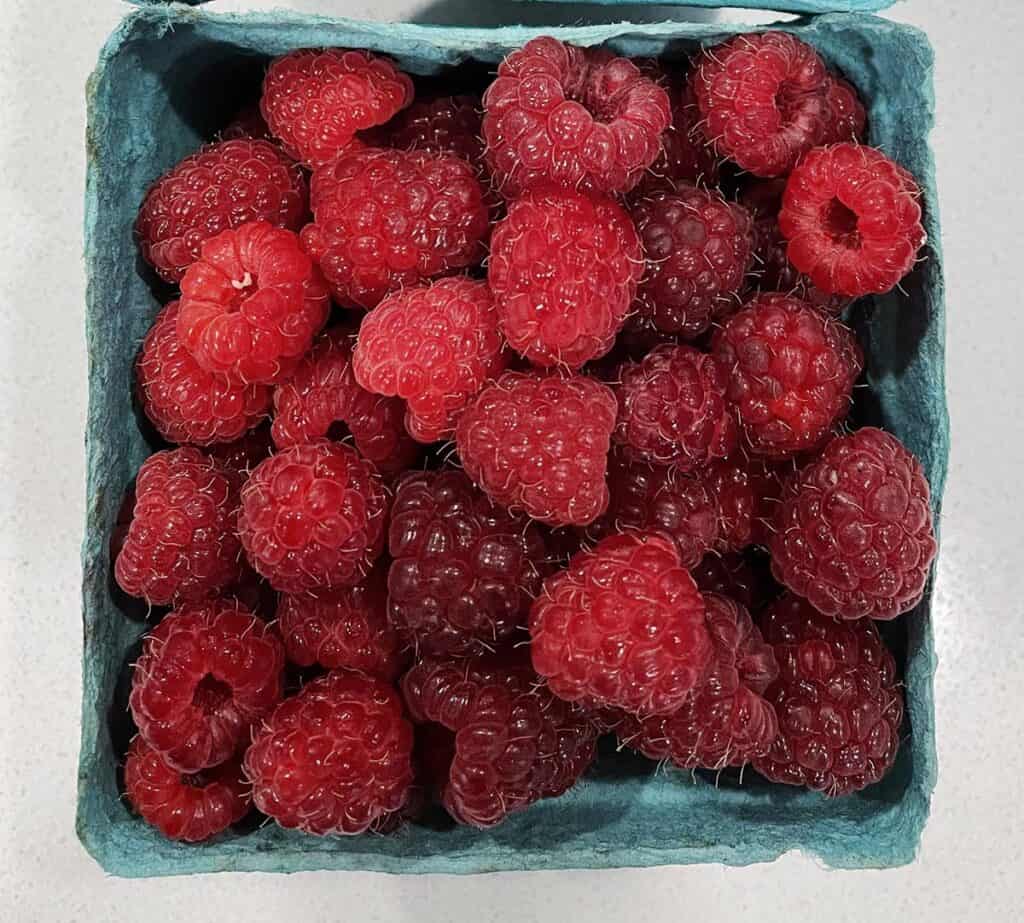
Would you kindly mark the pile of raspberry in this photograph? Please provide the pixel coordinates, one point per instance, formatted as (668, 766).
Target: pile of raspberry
(486, 425)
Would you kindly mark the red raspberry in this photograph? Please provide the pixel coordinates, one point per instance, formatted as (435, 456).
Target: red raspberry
(564, 268)
(181, 545)
(837, 699)
(335, 759)
(725, 721)
(386, 219)
(746, 492)
(849, 120)
(442, 124)
(208, 672)
(312, 517)
(252, 304)
(247, 123)
(791, 373)
(510, 741)
(655, 498)
(852, 219)
(185, 402)
(854, 534)
(323, 392)
(672, 409)
(730, 575)
(698, 250)
(580, 117)
(344, 628)
(622, 627)
(238, 458)
(434, 346)
(765, 100)
(539, 443)
(315, 101)
(184, 806)
(464, 570)
(222, 186)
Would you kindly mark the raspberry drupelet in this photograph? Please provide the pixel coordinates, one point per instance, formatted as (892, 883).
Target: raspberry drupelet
(207, 674)
(222, 186)
(746, 492)
(539, 443)
(499, 740)
(313, 517)
(837, 699)
(622, 627)
(854, 532)
(252, 304)
(579, 117)
(464, 570)
(238, 458)
(334, 759)
(442, 124)
(181, 545)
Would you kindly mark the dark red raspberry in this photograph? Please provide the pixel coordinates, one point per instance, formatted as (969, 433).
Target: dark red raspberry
(315, 101)
(464, 571)
(186, 403)
(848, 120)
(434, 346)
(510, 742)
(746, 492)
(837, 699)
(656, 498)
(207, 674)
(854, 533)
(247, 123)
(791, 373)
(539, 443)
(672, 409)
(184, 806)
(323, 392)
(343, 628)
(852, 219)
(181, 545)
(733, 576)
(220, 187)
(580, 117)
(725, 721)
(312, 517)
(698, 249)
(386, 219)
(622, 627)
(238, 458)
(335, 759)
(564, 268)
(252, 304)
(764, 99)
(442, 124)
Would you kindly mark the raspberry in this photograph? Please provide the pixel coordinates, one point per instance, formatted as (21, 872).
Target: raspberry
(247, 123)
(791, 373)
(251, 304)
(323, 392)
(238, 458)
(848, 120)
(622, 627)
(765, 100)
(852, 219)
(315, 101)
(580, 117)
(672, 409)
(335, 759)
(510, 742)
(312, 517)
(434, 346)
(181, 545)
(854, 533)
(564, 268)
(386, 219)
(654, 498)
(343, 628)
(730, 575)
(464, 570)
(539, 443)
(184, 806)
(442, 124)
(725, 721)
(183, 401)
(837, 700)
(222, 186)
(746, 492)
(698, 250)
(208, 672)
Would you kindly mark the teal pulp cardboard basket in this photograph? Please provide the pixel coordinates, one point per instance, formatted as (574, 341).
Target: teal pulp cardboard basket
(166, 80)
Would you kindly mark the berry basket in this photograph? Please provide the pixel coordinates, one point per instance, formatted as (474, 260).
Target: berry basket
(166, 79)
